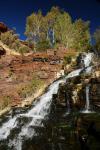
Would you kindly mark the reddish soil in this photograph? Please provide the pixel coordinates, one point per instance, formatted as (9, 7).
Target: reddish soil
(16, 71)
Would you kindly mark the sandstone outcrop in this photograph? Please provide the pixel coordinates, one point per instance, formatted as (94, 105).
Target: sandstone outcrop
(74, 91)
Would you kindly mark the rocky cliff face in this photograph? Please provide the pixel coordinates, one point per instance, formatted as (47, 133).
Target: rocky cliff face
(17, 73)
(74, 91)
(95, 92)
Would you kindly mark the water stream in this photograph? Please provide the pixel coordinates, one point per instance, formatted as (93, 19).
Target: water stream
(87, 106)
(36, 115)
(23, 126)
(33, 118)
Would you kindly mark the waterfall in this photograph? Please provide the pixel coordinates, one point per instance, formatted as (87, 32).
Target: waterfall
(35, 116)
(68, 106)
(68, 109)
(74, 73)
(87, 59)
(88, 68)
(87, 105)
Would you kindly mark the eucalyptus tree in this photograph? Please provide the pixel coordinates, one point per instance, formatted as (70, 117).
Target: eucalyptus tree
(82, 37)
(63, 29)
(56, 27)
(35, 27)
(50, 20)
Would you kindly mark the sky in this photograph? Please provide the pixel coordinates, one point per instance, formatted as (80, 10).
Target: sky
(14, 12)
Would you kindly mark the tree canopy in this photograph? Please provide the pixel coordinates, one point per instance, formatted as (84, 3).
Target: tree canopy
(62, 29)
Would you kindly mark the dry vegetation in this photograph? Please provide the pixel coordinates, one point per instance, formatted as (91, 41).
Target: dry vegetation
(12, 41)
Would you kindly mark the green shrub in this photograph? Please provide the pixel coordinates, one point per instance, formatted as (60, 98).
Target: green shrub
(31, 87)
(16, 45)
(43, 45)
(23, 49)
(24, 91)
(13, 42)
(67, 59)
(8, 37)
(6, 101)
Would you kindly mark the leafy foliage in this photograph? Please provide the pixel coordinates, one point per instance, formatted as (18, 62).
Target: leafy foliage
(67, 59)
(6, 101)
(70, 34)
(23, 49)
(35, 27)
(62, 28)
(81, 35)
(32, 87)
(51, 17)
(8, 37)
(43, 45)
(12, 41)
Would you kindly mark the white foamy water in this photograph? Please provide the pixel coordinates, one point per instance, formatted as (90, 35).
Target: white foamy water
(89, 70)
(6, 127)
(74, 73)
(39, 112)
(87, 59)
(68, 108)
(87, 105)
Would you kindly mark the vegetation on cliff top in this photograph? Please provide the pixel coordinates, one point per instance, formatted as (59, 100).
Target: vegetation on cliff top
(57, 27)
(12, 41)
(51, 30)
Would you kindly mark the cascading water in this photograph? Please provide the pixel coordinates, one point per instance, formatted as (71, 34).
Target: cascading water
(35, 115)
(68, 109)
(87, 59)
(68, 106)
(87, 62)
(74, 73)
(88, 68)
(87, 105)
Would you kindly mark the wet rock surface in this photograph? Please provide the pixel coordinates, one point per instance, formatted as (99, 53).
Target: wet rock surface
(75, 88)
(66, 125)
